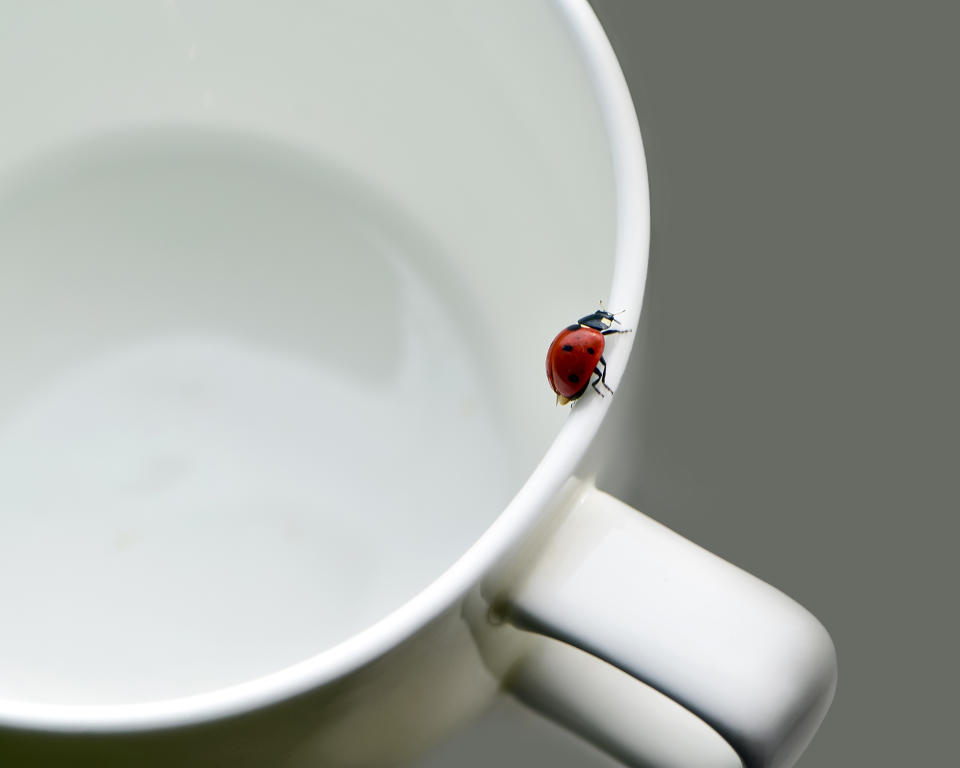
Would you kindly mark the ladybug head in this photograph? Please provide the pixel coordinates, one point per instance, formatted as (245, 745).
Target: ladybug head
(599, 320)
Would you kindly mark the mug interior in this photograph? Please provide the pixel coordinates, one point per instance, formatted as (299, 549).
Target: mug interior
(276, 284)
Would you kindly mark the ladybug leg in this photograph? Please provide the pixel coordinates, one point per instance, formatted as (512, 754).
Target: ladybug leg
(601, 377)
(597, 381)
(608, 331)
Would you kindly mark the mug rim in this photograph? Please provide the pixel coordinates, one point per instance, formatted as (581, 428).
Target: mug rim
(559, 461)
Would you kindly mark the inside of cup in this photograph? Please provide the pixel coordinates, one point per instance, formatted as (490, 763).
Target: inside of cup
(276, 286)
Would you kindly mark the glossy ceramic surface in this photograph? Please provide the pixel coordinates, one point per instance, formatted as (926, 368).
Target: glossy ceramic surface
(261, 388)
(278, 431)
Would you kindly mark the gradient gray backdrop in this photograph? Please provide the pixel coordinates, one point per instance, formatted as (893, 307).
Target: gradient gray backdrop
(793, 404)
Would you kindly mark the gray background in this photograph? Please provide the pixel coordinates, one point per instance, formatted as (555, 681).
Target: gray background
(793, 401)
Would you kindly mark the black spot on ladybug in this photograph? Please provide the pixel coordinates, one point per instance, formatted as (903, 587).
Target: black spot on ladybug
(589, 350)
(567, 348)
(573, 378)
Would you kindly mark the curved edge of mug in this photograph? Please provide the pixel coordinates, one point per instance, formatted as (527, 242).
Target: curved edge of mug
(528, 506)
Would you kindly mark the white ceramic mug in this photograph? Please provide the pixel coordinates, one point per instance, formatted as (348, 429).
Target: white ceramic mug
(281, 480)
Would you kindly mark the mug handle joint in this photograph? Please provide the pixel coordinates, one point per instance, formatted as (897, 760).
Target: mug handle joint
(741, 656)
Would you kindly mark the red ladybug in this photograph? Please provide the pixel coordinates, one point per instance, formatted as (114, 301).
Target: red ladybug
(576, 354)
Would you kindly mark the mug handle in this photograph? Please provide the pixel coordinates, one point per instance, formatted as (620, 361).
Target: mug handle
(743, 657)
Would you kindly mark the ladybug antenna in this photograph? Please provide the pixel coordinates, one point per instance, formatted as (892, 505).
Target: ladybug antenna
(603, 313)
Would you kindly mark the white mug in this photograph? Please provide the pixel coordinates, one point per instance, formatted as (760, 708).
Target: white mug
(281, 480)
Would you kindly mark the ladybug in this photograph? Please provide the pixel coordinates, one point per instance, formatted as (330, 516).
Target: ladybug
(576, 354)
